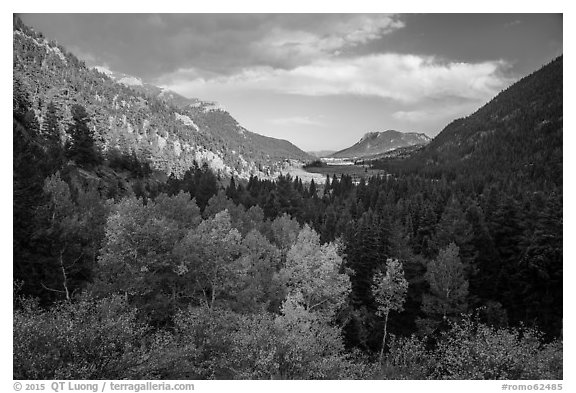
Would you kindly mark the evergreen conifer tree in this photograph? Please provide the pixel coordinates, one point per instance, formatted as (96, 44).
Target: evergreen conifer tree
(82, 148)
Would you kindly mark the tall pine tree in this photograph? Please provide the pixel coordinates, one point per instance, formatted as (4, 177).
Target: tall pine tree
(51, 133)
(82, 147)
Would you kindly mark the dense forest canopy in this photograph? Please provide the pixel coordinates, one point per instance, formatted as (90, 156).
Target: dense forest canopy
(448, 267)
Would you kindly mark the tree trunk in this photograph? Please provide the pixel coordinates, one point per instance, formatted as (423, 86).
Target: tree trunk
(213, 295)
(383, 339)
(65, 278)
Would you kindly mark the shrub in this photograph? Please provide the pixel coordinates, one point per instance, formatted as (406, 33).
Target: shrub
(83, 340)
(472, 350)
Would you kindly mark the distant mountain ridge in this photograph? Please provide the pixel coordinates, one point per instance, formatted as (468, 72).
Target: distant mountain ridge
(321, 153)
(375, 143)
(127, 114)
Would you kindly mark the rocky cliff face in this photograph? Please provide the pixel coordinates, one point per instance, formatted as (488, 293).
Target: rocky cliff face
(374, 143)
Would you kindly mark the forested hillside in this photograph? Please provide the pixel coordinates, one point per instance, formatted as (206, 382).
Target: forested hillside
(141, 119)
(507, 157)
(443, 269)
(517, 136)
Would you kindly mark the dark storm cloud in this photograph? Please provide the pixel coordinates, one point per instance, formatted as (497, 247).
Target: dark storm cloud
(526, 41)
(150, 45)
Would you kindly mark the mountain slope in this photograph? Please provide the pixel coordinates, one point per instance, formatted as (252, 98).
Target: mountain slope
(518, 134)
(213, 117)
(129, 115)
(374, 143)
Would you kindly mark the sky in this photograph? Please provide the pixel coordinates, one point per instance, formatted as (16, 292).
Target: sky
(320, 81)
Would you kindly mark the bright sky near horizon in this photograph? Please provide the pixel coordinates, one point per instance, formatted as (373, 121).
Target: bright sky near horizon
(319, 80)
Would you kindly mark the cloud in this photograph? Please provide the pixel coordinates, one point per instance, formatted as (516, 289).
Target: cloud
(402, 78)
(293, 46)
(149, 45)
(434, 113)
(416, 116)
(513, 23)
(297, 120)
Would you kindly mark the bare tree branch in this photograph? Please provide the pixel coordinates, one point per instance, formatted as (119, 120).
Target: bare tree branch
(51, 289)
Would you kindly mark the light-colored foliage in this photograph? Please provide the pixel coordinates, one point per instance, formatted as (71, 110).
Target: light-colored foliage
(141, 237)
(389, 290)
(407, 359)
(243, 220)
(313, 274)
(471, 350)
(137, 257)
(220, 344)
(284, 232)
(448, 285)
(211, 253)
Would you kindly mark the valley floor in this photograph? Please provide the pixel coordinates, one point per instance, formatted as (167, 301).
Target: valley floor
(356, 171)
